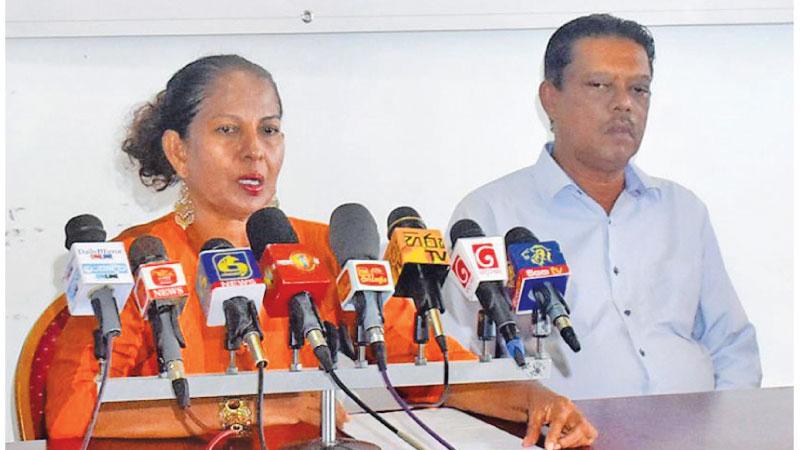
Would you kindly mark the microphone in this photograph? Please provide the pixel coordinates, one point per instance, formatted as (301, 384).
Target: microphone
(479, 269)
(97, 282)
(160, 294)
(419, 263)
(97, 279)
(228, 279)
(541, 279)
(294, 278)
(364, 283)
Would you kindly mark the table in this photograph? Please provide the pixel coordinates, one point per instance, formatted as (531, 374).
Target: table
(757, 419)
(726, 420)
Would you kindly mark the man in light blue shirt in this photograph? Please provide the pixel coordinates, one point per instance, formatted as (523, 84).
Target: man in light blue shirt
(651, 302)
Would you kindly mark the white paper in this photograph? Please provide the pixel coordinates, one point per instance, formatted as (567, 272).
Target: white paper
(461, 430)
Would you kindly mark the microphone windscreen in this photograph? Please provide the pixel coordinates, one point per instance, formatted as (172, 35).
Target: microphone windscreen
(269, 226)
(216, 244)
(517, 235)
(404, 217)
(84, 228)
(465, 228)
(146, 249)
(353, 233)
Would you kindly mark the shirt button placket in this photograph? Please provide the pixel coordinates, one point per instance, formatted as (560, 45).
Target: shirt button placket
(612, 256)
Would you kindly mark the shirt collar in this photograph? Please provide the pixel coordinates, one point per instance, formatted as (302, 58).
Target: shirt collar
(552, 179)
(549, 176)
(638, 183)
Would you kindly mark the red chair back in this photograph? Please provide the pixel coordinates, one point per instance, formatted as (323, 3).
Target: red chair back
(30, 379)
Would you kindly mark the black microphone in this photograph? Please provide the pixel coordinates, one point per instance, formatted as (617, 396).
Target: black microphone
(228, 278)
(161, 294)
(522, 244)
(98, 282)
(491, 293)
(98, 278)
(84, 228)
(297, 277)
(355, 241)
(419, 264)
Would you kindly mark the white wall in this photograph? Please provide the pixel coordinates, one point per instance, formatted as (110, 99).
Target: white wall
(32, 18)
(416, 118)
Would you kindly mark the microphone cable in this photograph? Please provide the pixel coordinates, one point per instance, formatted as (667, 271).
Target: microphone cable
(445, 383)
(380, 355)
(223, 435)
(324, 356)
(260, 406)
(96, 410)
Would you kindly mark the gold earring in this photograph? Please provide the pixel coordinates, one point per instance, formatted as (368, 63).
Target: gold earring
(274, 203)
(184, 209)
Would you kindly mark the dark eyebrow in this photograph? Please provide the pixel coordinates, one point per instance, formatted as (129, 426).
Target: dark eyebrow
(234, 116)
(642, 77)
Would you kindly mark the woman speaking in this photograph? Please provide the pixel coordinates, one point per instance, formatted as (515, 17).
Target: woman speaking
(216, 130)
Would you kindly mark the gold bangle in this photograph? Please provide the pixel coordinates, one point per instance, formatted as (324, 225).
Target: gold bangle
(236, 415)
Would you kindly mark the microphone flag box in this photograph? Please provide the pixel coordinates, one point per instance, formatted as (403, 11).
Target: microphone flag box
(224, 274)
(534, 264)
(363, 275)
(416, 247)
(92, 265)
(290, 269)
(476, 260)
(160, 281)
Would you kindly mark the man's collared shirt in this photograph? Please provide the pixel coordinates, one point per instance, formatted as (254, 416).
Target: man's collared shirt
(650, 300)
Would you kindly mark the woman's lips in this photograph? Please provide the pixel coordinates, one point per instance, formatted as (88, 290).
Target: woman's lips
(252, 184)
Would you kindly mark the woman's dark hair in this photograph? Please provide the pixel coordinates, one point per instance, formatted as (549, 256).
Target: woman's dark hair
(559, 49)
(173, 109)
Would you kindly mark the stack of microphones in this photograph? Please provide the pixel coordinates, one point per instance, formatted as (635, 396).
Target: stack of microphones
(284, 277)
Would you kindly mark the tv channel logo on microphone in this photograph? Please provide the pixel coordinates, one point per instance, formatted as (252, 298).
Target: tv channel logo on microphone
(233, 265)
(303, 261)
(485, 256)
(372, 274)
(538, 255)
(163, 276)
(461, 271)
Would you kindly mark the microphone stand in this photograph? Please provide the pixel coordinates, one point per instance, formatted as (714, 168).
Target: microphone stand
(163, 318)
(541, 326)
(105, 311)
(421, 337)
(487, 332)
(328, 439)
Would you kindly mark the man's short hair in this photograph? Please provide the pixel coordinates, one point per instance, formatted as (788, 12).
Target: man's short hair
(559, 49)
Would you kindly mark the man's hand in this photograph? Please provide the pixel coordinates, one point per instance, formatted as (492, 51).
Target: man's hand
(531, 402)
(568, 427)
